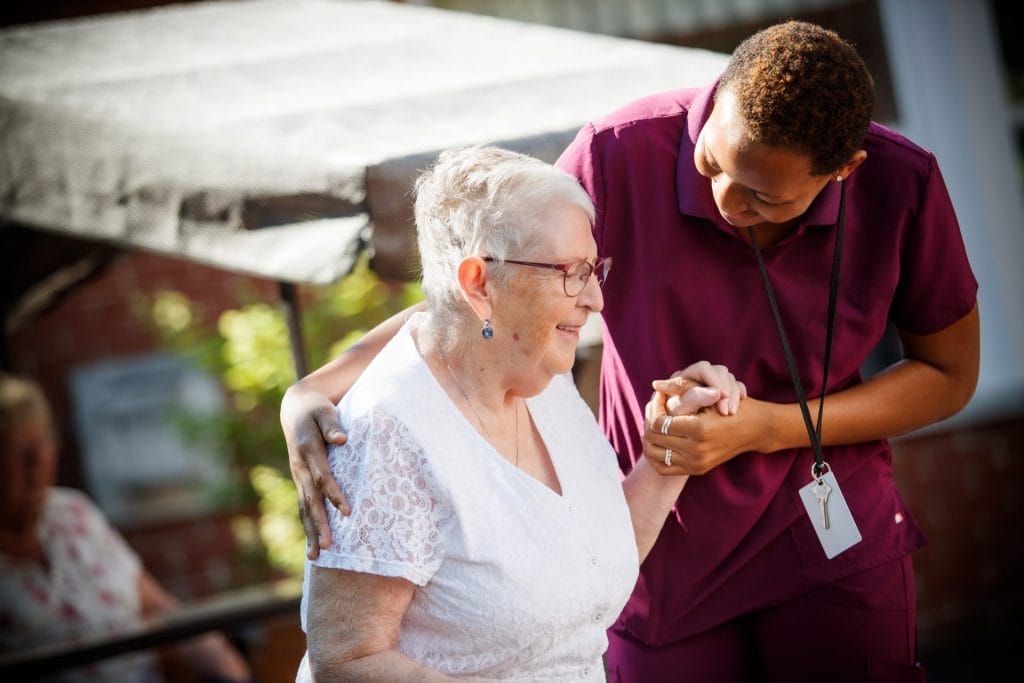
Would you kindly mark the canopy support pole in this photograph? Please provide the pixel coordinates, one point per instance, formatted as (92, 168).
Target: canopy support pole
(293, 318)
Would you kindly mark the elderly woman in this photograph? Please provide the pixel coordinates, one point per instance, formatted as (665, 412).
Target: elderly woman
(65, 573)
(491, 535)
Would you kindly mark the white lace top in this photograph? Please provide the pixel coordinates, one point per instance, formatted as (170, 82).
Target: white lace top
(515, 581)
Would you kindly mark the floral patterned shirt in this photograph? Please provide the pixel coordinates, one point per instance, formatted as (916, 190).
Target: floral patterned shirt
(89, 587)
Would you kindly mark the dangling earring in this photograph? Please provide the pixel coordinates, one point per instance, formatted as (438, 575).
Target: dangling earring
(487, 332)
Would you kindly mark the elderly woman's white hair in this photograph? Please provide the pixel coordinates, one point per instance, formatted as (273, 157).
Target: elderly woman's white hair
(483, 201)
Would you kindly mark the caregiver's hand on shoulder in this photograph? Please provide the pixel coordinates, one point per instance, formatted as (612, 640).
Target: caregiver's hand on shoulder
(310, 421)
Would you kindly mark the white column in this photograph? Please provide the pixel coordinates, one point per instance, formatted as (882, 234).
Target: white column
(949, 90)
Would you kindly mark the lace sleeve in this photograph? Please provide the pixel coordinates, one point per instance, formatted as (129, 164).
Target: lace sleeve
(399, 513)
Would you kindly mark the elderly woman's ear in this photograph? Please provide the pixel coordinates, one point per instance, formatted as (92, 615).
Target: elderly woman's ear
(472, 276)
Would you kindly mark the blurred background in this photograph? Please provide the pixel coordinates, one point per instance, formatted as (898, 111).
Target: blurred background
(200, 199)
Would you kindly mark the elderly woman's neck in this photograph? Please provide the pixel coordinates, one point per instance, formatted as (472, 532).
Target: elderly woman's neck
(477, 366)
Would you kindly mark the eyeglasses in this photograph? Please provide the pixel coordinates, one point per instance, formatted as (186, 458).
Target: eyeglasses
(574, 275)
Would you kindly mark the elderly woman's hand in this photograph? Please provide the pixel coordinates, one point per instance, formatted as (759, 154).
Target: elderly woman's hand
(688, 397)
(674, 441)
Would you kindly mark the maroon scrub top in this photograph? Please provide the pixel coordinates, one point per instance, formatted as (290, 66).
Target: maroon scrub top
(685, 287)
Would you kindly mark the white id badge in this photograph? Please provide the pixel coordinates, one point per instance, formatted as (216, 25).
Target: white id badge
(831, 520)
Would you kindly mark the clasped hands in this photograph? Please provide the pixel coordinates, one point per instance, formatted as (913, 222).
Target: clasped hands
(686, 422)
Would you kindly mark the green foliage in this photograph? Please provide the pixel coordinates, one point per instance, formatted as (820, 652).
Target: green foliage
(278, 525)
(249, 349)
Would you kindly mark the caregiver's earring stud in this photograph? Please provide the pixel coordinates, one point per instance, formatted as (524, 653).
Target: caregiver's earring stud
(487, 332)
(839, 178)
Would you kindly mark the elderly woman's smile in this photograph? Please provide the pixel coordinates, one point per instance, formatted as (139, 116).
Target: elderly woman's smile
(543, 321)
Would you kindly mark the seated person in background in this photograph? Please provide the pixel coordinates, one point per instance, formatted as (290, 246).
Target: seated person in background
(65, 572)
(491, 533)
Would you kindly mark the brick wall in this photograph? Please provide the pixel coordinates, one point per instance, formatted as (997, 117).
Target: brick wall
(97, 321)
(964, 488)
(199, 556)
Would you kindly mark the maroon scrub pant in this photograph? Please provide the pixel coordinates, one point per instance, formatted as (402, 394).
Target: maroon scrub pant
(859, 629)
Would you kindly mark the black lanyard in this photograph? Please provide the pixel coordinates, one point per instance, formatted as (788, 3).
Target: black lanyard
(814, 433)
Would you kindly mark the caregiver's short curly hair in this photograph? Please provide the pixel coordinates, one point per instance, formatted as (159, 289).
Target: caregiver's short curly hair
(802, 87)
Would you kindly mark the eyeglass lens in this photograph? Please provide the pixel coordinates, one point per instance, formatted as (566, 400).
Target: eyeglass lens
(577, 276)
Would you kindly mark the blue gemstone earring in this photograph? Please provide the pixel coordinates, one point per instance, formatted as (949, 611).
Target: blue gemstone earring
(487, 332)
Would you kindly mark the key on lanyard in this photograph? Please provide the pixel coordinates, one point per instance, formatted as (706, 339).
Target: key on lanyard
(821, 492)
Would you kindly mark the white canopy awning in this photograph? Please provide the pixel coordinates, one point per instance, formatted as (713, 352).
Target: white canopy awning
(278, 137)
